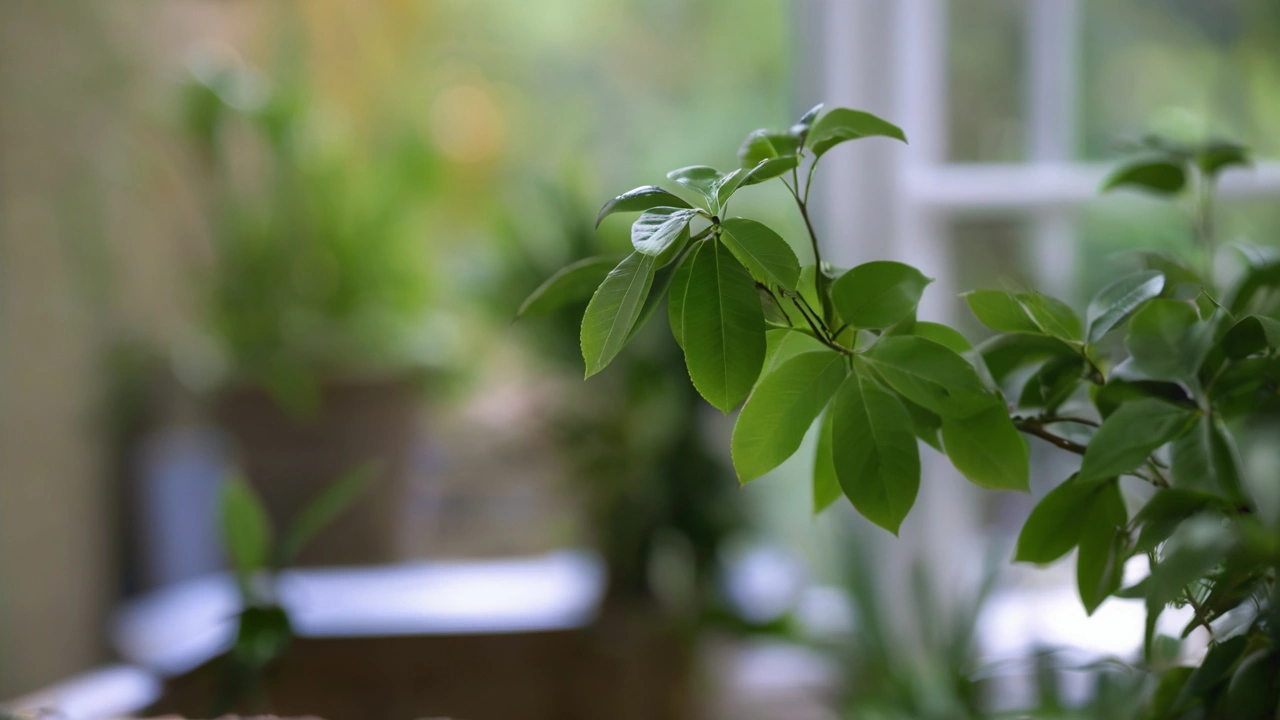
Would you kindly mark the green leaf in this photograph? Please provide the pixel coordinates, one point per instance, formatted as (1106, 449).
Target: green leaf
(1129, 436)
(729, 185)
(1196, 547)
(1000, 311)
(722, 327)
(988, 449)
(875, 454)
(573, 283)
(780, 410)
(925, 424)
(1214, 669)
(614, 309)
(1215, 156)
(930, 375)
(657, 229)
(679, 290)
(1252, 691)
(945, 336)
(763, 145)
(782, 344)
(659, 289)
(1165, 511)
(1167, 340)
(701, 179)
(1248, 386)
(1157, 175)
(1054, 317)
(1100, 561)
(878, 294)
(826, 488)
(1054, 526)
(1253, 334)
(1004, 354)
(842, 124)
(1053, 384)
(1115, 302)
(762, 251)
(769, 169)
(321, 511)
(245, 527)
(642, 198)
(1249, 295)
(1205, 459)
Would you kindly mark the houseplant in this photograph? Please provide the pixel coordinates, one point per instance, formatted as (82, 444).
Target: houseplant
(1154, 417)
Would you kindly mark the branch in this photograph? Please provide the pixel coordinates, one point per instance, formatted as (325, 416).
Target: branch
(1032, 426)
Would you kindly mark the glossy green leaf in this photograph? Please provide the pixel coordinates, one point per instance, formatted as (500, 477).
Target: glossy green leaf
(930, 375)
(573, 283)
(769, 169)
(1000, 311)
(729, 184)
(1054, 526)
(723, 327)
(1167, 340)
(678, 291)
(659, 289)
(640, 199)
(764, 253)
(654, 232)
(614, 309)
(1205, 459)
(945, 336)
(875, 454)
(987, 449)
(1156, 175)
(1251, 335)
(842, 124)
(701, 179)
(763, 145)
(878, 294)
(1053, 384)
(1248, 386)
(783, 344)
(1100, 560)
(1129, 436)
(826, 487)
(1052, 316)
(802, 126)
(1117, 301)
(246, 530)
(1165, 511)
(322, 511)
(1004, 354)
(926, 424)
(780, 410)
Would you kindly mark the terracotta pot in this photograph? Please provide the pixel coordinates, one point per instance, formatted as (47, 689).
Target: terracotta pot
(290, 459)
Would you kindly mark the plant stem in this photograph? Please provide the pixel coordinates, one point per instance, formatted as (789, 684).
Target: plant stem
(1032, 426)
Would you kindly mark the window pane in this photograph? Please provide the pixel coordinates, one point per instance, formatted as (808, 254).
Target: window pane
(985, 80)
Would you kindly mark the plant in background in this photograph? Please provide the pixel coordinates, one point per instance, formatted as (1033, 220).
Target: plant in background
(1157, 412)
(264, 630)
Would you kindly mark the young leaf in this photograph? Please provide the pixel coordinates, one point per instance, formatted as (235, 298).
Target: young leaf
(1158, 175)
(929, 374)
(1054, 317)
(642, 198)
(988, 450)
(1054, 526)
(1100, 561)
(781, 409)
(614, 309)
(1167, 340)
(573, 283)
(321, 511)
(762, 251)
(658, 228)
(826, 488)
(701, 179)
(1129, 436)
(763, 145)
(876, 295)
(1000, 311)
(245, 527)
(943, 335)
(1115, 302)
(805, 123)
(723, 327)
(875, 454)
(842, 124)
(768, 169)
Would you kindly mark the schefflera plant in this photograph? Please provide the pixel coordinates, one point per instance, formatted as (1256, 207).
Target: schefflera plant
(797, 342)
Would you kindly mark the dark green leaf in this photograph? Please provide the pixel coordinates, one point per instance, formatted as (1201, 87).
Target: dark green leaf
(1100, 561)
(780, 410)
(925, 424)
(657, 229)
(826, 488)
(321, 511)
(1165, 511)
(1053, 383)
(573, 283)
(1054, 526)
(1170, 686)
(762, 251)
(842, 124)
(1252, 691)
(642, 198)
(1130, 435)
(723, 327)
(763, 145)
(1006, 353)
(1199, 543)
(263, 636)
(1167, 340)
(1215, 156)
(1118, 391)
(1251, 293)
(1248, 386)
(1205, 459)
(876, 457)
(1253, 334)
(245, 527)
(930, 375)
(1000, 311)
(987, 449)
(878, 294)
(1115, 302)
(614, 309)
(1214, 669)
(1157, 175)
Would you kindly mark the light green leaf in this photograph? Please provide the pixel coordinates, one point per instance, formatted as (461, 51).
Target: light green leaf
(1054, 317)
(642, 198)
(723, 327)
(321, 511)
(614, 309)
(1129, 436)
(1054, 526)
(1000, 311)
(930, 375)
(659, 289)
(1251, 335)
(1100, 561)
(762, 251)
(826, 487)
(780, 410)
(805, 123)
(679, 290)
(701, 179)
(769, 169)
(245, 527)
(842, 124)
(573, 283)
(1115, 302)
(943, 335)
(924, 423)
(874, 451)
(763, 145)
(988, 449)
(878, 294)
(782, 344)
(1156, 175)
(657, 229)
(1167, 340)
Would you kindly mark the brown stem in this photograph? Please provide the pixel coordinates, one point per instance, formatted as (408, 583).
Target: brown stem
(1032, 426)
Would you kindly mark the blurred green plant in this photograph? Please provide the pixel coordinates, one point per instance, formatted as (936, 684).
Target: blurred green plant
(319, 269)
(264, 630)
(1198, 365)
